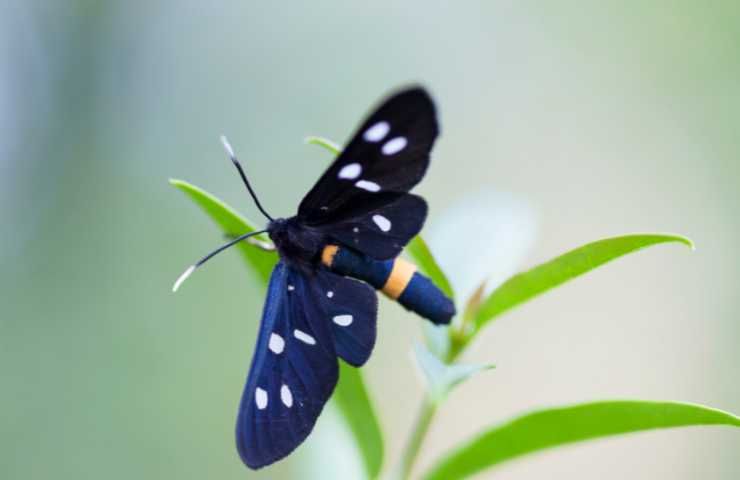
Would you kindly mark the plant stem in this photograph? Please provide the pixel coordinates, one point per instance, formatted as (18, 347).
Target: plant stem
(424, 418)
(458, 342)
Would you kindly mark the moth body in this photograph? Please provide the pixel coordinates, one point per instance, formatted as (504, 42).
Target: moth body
(297, 244)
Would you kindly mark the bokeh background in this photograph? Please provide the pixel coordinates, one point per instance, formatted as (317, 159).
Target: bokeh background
(589, 118)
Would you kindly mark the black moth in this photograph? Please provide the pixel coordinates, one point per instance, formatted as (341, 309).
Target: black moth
(335, 252)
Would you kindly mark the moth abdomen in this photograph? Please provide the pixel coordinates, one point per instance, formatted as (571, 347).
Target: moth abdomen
(396, 278)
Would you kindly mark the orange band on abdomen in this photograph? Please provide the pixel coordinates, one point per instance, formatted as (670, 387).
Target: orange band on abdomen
(399, 278)
(328, 253)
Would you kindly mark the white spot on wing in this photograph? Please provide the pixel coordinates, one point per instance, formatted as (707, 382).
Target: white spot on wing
(343, 320)
(329, 294)
(276, 344)
(369, 186)
(304, 337)
(356, 230)
(260, 398)
(377, 132)
(351, 171)
(382, 222)
(286, 396)
(291, 288)
(394, 146)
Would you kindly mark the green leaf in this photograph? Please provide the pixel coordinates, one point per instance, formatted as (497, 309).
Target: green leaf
(441, 377)
(419, 251)
(527, 285)
(324, 142)
(350, 395)
(353, 401)
(232, 224)
(437, 339)
(549, 428)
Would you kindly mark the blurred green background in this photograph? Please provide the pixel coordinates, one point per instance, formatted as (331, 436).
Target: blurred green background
(602, 117)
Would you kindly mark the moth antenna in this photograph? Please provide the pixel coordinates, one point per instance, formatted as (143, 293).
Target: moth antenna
(203, 260)
(235, 161)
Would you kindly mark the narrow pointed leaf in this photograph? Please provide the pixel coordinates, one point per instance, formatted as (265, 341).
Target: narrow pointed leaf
(552, 427)
(437, 339)
(324, 142)
(436, 336)
(352, 399)
(527, 285)
(419, 251)
(474, 302)
(441, 378)
(232, 224)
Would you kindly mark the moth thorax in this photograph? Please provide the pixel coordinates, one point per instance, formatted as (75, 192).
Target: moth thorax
(294, 241)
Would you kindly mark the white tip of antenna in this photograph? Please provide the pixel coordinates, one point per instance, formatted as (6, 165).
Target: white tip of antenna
(183, 277)
(227, 146)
